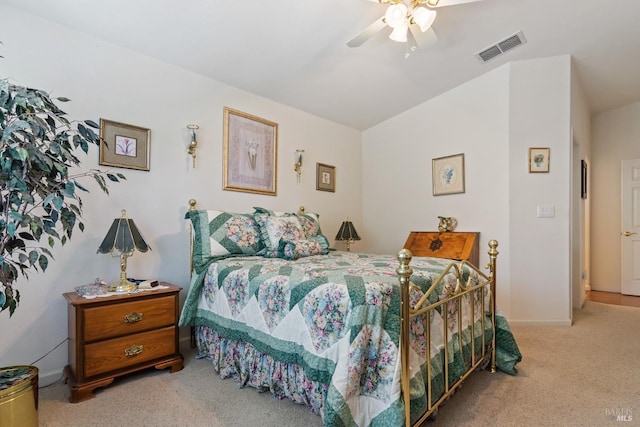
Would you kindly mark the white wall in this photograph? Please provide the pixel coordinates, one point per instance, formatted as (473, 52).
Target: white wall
(397, 154)
(540, 252)
(493, 120)
(615, 137)
(105, 81)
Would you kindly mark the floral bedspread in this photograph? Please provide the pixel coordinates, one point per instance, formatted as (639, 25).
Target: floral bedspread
(336, 316)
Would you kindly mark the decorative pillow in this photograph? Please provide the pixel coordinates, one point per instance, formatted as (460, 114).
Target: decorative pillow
(274, 228)
(310, 223)
(219, 234)
(316, 245)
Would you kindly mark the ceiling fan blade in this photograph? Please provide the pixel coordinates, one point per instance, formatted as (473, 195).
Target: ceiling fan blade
(423, 40)
(443, 3)
(367, 33)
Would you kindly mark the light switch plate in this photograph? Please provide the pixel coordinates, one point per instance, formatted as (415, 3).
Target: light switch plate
(546, 211)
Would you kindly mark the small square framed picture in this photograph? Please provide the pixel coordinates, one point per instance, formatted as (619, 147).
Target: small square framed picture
(448, 175)
(127, 146)
(539, 159)
(325, 177)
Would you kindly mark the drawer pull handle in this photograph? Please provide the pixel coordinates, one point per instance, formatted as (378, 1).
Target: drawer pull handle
(133, 317)
(134, 350)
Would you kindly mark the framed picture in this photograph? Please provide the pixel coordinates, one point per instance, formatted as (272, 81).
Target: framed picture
(448, 175)
(583, 179)
(250, 153)
(539, 159)
(127, 146)
(325, 177)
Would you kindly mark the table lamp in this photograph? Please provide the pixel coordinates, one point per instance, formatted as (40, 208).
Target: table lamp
(123, 238)
(347, 234)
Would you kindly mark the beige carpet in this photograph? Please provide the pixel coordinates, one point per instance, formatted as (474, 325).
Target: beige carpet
(569, 376)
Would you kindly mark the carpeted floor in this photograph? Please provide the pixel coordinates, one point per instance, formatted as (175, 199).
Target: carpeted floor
(582, 375)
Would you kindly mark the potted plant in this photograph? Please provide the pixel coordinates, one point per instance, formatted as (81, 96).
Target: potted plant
(39, 195)
(39, 201)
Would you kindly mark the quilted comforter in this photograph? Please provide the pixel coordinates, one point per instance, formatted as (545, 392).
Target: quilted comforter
(324, 330)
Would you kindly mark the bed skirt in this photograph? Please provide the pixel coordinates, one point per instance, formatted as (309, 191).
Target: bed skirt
(249, 367)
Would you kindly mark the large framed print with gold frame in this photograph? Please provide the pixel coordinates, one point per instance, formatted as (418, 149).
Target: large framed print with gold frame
(250, 153)
(127, 146)
(448, 175)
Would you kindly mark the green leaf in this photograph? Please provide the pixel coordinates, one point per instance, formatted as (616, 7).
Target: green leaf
(26, 236)
(80, 187)
(11, 229)
(69, 189)
(43, 261)
(57, 202)
(33, 257)
(63, 99)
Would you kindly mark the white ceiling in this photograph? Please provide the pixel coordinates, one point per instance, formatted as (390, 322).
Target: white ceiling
(294, 52)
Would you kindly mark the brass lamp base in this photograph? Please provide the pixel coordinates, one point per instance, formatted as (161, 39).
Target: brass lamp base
(121, 286)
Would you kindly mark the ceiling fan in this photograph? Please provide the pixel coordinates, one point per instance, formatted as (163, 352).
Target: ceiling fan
(404, 16)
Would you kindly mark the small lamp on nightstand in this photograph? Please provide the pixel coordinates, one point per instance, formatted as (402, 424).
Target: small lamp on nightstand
(347, 234)
(123, 238)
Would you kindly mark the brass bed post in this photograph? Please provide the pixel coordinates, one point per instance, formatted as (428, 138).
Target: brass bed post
(493, 254)
(404, 272)
(192, 207)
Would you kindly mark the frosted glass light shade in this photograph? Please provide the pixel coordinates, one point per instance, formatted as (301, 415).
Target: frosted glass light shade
(399, 33)
(424, 17)
(396, 15)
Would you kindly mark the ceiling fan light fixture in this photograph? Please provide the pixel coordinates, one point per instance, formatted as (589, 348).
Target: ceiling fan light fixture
(423, 17)
(396, 15)
(399, 33)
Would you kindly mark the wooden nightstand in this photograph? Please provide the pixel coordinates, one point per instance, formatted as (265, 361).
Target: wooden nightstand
(117, 335)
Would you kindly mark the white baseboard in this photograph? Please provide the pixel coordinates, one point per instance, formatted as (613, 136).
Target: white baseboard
(540, 322)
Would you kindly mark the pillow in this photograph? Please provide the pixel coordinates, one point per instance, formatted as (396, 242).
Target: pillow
(316, 245)
(310, 223)
(219, 234)
(274, 228)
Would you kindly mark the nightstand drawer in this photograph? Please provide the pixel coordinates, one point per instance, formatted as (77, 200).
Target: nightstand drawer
(118, 353)
(126, 318)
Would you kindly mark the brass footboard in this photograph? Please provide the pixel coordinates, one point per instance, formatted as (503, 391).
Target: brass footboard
(423, 307)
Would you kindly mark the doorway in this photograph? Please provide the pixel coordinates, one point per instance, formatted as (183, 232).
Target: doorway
(630, 224)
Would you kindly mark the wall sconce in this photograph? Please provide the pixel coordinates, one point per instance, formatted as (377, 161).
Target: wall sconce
(297, 167)
(193, 144)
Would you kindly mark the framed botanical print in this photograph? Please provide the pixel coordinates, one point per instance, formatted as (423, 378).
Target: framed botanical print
(325, 177)
(127, 146)
(448, 175)
(539, 159)
(250, 153)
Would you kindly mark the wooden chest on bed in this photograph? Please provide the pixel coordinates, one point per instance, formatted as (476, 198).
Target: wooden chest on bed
(453, 245)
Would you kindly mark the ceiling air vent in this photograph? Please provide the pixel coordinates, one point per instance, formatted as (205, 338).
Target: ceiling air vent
(501, 47)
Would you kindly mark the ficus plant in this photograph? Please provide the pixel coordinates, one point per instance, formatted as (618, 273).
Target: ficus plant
(40, 202)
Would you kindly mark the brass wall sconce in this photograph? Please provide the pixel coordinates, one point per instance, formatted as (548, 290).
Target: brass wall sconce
(193, 144)
(297, 167)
